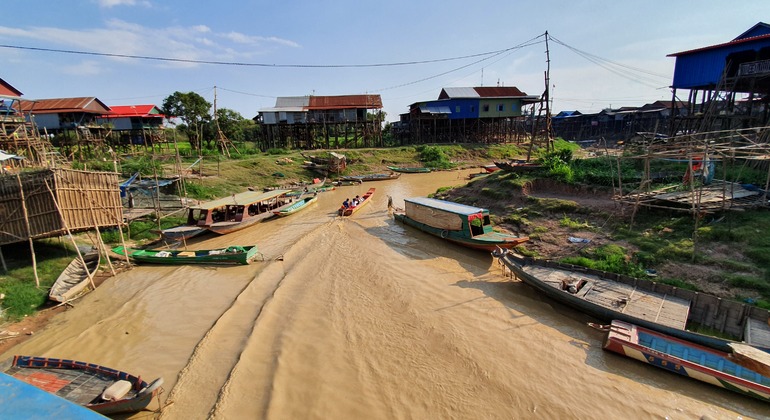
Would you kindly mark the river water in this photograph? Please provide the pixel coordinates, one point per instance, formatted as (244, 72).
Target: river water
(362, 318)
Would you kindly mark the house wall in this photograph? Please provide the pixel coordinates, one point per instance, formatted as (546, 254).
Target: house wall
(47, 121)
(499, 108)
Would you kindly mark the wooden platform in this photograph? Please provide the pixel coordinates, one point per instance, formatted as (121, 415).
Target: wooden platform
(654, 307)
(757, 333)
(719, 195)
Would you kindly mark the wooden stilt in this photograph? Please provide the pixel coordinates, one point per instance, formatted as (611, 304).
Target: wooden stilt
(29, 230)
(2, 260)
(66, 228)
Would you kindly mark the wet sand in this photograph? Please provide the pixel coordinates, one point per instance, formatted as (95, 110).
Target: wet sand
(363, 318)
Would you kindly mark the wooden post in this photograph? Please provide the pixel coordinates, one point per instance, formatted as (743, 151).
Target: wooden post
(29, 231)
(66, 227)
(2, 260)
(157, 197)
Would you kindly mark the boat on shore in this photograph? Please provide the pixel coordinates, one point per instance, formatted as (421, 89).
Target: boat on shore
(371, 177)
(99, 388)
(518, 166)
(245, 209)
(365, 199)
(75, 277)
(655, 306)
(410, 170)
(491, 168)
(20, 400)
(229, 255)
(301, 204)
(685, 358)
(464, 225)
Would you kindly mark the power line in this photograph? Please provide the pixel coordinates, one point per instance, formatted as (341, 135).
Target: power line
(242, 64)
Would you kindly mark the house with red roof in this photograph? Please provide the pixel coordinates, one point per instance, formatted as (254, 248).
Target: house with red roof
(135, 124)
(62, 114)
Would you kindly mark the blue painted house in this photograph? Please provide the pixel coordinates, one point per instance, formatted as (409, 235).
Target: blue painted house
(467, 114)
(728, 83)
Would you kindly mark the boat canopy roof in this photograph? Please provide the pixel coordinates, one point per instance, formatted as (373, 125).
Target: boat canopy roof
(241, 199)
(446, 206)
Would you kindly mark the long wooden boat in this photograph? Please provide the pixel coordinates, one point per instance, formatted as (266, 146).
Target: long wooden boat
(229, 255)
(410, 170)
(245, 209)
(685, 358)
(491, 168)
(75, 277)
(519, 166)
(464, 225)
(102, 389)
(365, 199)
(658, 307)
(301, 204)
(20, 400)
(371, 177)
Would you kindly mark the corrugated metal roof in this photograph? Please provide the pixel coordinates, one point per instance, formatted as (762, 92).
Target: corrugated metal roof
(7, 90)
(292, 101)
(345, 102)
(445, 205)
(51, 106)
(435, 110)
(458, 92)
(284, 109)
(240, 199)
(481, 92)
(726, 44)
(134, 111)
(500, 92)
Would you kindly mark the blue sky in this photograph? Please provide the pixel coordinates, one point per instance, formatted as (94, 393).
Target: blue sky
(626, 42)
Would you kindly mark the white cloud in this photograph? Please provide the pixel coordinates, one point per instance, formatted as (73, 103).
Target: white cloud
(112, 3)
(176, 42)
(84, 68)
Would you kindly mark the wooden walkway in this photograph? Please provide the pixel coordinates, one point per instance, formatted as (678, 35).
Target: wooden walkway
(650, 306)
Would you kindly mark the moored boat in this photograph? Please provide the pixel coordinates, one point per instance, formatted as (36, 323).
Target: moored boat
(409, 170)
(228, 255)
(99, 388)
(75, 277)
(301, 204)
(659, 307)
(464, 225)
(491, 168)
(20, 400)
(365, 199)
(371, 177)
(685, 358)
(245, 209)
(518, 166)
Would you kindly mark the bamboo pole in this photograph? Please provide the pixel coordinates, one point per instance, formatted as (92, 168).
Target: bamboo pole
(29, 231)
(66, 227)
(2, 260)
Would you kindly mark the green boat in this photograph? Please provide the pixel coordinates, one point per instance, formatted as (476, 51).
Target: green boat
(302, 203)
(464, 225)
(229, 255)
(411, 170)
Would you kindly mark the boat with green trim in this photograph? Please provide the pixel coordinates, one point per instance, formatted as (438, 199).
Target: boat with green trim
(301, 204)
(231, 255)
(410, 170)
(464, 225)
(245, 209)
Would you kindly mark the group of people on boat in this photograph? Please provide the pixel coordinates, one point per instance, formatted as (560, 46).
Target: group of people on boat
(348, 203)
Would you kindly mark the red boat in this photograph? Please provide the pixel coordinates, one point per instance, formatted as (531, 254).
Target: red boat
(347, 211)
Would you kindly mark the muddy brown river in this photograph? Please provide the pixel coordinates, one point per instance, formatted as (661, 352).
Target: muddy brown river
(362, 318)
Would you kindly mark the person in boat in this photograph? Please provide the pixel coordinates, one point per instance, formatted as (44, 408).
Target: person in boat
(358, 200)
(346, 203)
(354, 202)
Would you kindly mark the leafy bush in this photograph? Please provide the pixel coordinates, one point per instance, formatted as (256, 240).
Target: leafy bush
(277, 151)
(145, 165)
(434, 157)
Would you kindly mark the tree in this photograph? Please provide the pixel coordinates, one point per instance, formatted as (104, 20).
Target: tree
(193, 110)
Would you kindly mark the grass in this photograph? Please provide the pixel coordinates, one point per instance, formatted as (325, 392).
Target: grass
(22, 296)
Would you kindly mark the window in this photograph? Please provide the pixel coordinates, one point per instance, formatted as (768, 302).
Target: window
(457, 109)
(473, 108)
(500, 107)
(486, 108)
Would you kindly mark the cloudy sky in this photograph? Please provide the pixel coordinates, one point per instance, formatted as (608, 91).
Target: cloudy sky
(602, 53)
